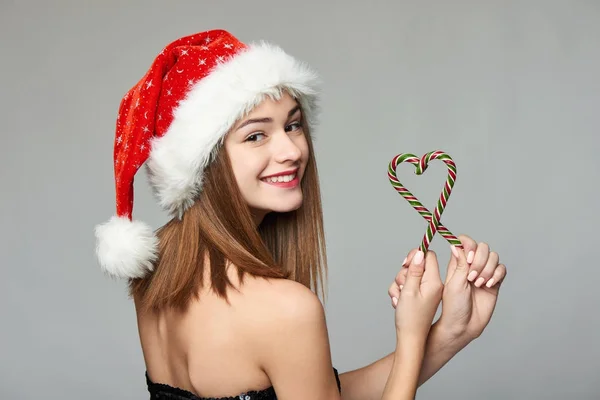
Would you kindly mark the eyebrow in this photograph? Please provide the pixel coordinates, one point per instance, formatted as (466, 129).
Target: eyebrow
(263, 120)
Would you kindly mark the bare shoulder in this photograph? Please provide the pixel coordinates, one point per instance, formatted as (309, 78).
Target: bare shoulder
(291, 340)
(281, 299)
(270, 306)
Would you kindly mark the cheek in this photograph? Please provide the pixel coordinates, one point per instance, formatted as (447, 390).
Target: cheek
(247, 169)
(303, 145)
(239, 165)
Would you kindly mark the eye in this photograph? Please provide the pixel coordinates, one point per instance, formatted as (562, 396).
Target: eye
(254, 137)
(294, 126)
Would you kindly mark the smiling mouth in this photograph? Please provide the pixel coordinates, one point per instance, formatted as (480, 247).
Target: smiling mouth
(289, 181)
(280, 178)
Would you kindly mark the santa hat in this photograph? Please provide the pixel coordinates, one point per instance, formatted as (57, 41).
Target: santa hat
(175, 118)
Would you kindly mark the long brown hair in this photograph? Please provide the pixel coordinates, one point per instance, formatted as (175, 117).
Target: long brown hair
(219, 224)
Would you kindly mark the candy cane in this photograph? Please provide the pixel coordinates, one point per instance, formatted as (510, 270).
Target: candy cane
(433, 219)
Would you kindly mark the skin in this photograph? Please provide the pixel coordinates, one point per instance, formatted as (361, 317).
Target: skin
(261, 149)
(216, 350)
(416, 307)
(471, 288)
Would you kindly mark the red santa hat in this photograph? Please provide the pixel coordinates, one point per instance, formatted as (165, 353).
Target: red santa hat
(175, 118)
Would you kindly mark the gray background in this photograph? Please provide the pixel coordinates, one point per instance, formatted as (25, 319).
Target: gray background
(510, 89)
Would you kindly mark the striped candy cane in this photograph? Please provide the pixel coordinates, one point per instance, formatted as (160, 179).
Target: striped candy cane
(433, 219)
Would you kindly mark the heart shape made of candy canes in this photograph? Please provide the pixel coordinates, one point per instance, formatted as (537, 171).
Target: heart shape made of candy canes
(433, 219)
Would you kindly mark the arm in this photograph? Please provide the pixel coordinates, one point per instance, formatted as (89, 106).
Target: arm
(466, 311)
(369, 382)
(404, 373)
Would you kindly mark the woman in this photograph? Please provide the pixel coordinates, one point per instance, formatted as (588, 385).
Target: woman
(224, 291)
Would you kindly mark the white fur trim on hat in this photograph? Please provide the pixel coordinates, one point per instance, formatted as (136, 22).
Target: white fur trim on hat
(126, 249)
(232, 89)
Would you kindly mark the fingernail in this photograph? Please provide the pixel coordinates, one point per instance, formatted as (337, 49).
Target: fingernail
(404, 262)
(470, 257)
(401, 286)
(395, 301)
(454, 251)
(418, 258)
(479, 282)
(490, 283)
(471, 276)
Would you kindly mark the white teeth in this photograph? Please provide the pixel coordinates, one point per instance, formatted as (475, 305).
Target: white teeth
(281, 178)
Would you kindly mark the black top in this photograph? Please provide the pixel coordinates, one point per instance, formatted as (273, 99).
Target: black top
(162, 391)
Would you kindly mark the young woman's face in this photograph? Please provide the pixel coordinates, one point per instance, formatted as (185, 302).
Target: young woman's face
(269, 152)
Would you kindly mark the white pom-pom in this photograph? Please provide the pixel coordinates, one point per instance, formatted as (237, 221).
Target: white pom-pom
(126, 249)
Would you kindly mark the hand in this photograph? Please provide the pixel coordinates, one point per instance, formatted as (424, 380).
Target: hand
(471, 289)
(467, 307)
(420, 297)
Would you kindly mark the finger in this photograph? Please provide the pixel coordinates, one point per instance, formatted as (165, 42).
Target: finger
(401, 276)
(415, 274)
(432, 269)
(394, 293)
(462, 267)
(497, 278)
(469, 246)
(488, 270)
(409, 257)
(479, 261)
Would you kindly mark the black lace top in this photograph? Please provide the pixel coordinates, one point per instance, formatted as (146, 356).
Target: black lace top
(162, 391)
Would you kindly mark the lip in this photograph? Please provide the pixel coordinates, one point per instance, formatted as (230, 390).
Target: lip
(289, 172)
(284, 185)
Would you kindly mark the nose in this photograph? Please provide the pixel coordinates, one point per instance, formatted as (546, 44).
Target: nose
(286, 149)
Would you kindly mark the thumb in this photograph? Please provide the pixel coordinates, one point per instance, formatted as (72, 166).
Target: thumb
(462, 267)
(415, 273)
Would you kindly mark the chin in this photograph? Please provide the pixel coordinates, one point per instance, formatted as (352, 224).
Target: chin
(282, 206)
(289, 209)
